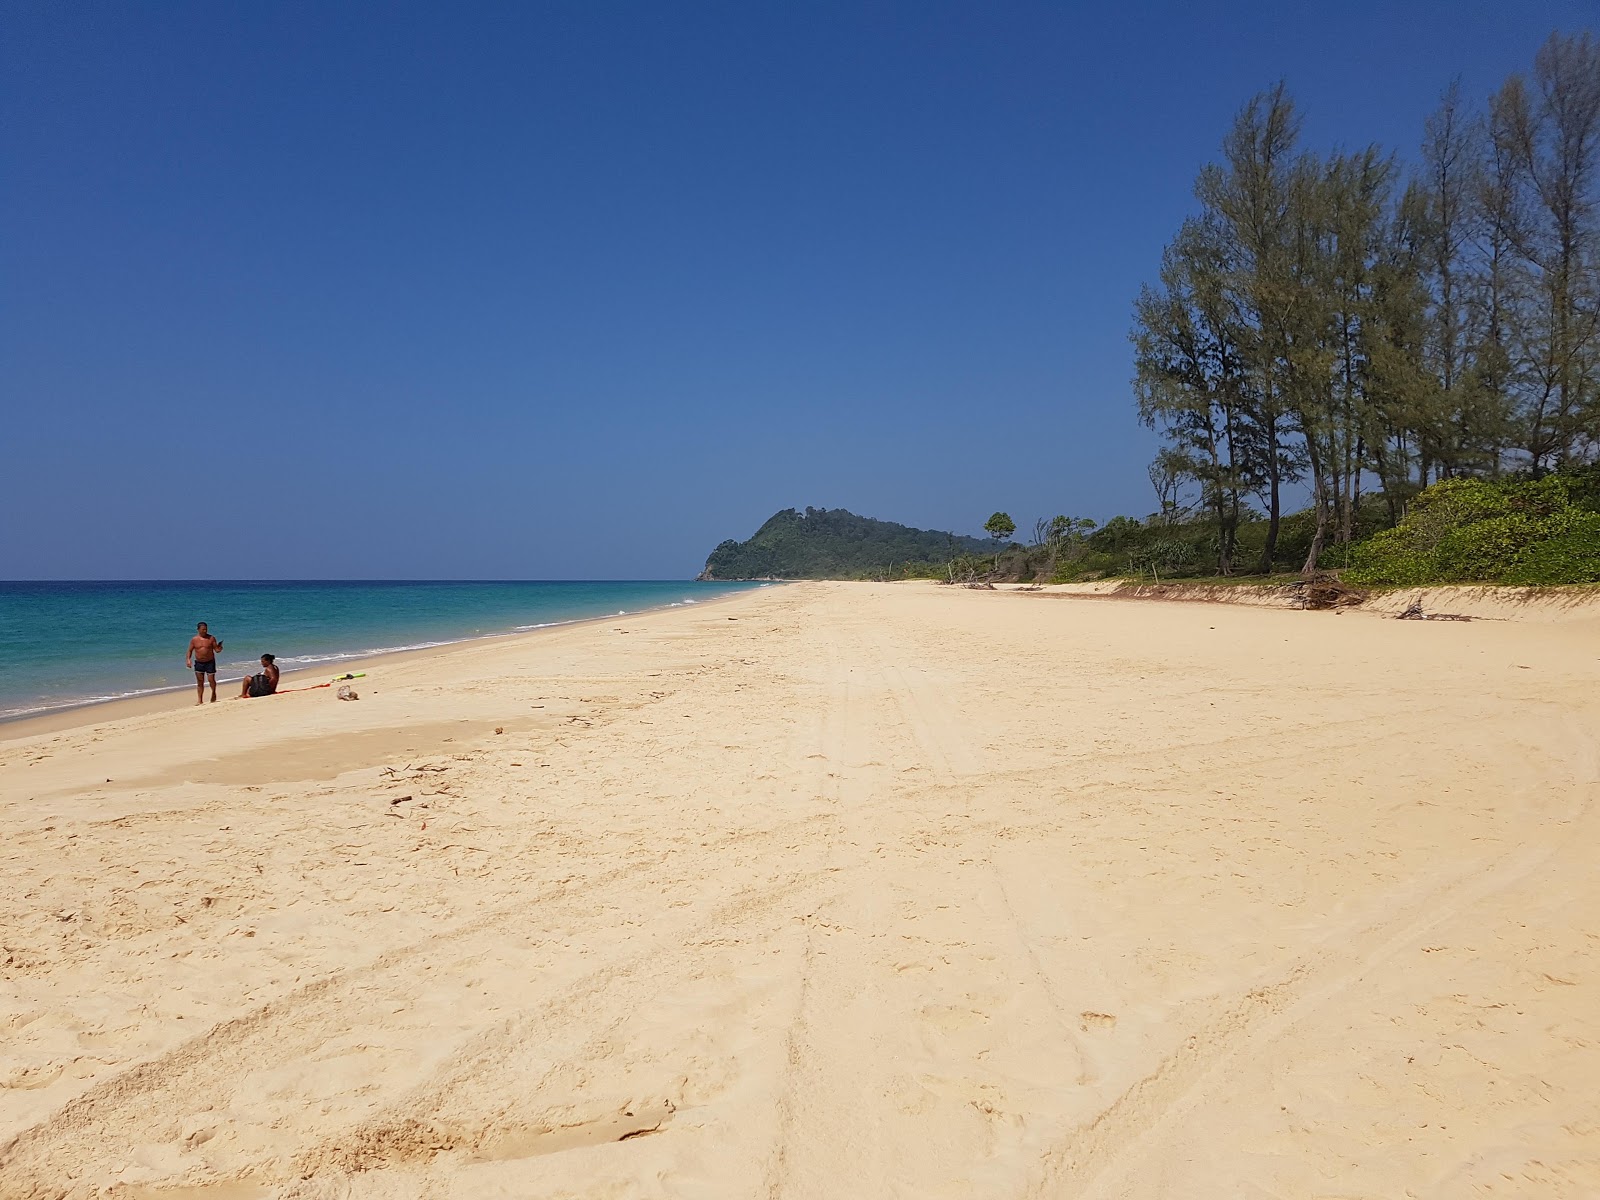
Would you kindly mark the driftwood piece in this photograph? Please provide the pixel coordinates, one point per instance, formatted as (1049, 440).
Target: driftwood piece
(1415, 613)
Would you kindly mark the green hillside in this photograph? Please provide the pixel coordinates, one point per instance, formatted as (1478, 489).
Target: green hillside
(825, 543)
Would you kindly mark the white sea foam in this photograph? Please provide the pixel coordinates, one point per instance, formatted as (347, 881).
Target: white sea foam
(369, 652)
(13, 714)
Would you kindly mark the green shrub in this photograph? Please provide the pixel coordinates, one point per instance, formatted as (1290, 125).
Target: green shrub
(1583, 485)
(1477, 531)
(1569, 557)
(1389, 557)
(1093, 565)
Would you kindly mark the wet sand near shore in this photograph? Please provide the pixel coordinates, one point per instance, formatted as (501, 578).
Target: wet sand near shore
(826, 890)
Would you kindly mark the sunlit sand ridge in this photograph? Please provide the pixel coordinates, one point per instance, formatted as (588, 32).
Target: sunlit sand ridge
(827, 891)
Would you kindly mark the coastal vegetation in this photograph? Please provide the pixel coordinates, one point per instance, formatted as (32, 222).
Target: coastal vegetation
(1415, 350)
(1471, 530)
(1334, 321)
(1510, 530)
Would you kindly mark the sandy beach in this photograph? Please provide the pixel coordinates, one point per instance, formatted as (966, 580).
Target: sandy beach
(826, 891)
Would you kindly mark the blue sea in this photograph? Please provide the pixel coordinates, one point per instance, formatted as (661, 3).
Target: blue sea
(68, 644)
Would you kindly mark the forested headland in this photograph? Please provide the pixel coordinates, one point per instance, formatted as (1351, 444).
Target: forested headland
(1412, 345)
(836, 544)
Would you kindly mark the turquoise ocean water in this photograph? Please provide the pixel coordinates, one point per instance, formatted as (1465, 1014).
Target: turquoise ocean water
(67, 644)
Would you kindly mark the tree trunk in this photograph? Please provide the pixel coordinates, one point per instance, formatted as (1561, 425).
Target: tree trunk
(1355, 497)
(1320, 490)
(1274, 499)
(1228, 525)
(1230, 537)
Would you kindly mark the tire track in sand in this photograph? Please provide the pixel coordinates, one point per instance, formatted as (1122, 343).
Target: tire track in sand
(801, 1092)
(1089, 1161)
(915, 1026)
(114, 1116)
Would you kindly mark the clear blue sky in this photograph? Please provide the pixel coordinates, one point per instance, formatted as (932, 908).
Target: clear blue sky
(580, 289)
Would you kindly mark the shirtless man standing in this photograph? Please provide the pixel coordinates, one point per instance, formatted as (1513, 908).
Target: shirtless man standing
(203, 657)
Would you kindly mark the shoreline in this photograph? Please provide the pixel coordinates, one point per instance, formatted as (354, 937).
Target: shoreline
(1484, 602)
(96, 712)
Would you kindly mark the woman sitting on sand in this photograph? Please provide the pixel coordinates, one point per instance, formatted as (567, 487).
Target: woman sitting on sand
(263, 683)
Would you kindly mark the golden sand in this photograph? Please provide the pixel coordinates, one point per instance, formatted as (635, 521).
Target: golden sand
(826, 891)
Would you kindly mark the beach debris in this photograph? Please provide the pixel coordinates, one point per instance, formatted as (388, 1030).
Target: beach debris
(398, 800)
(1415, 613)
(1321, 592)
(639, 1133)
(348, 693)
(499, 729)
